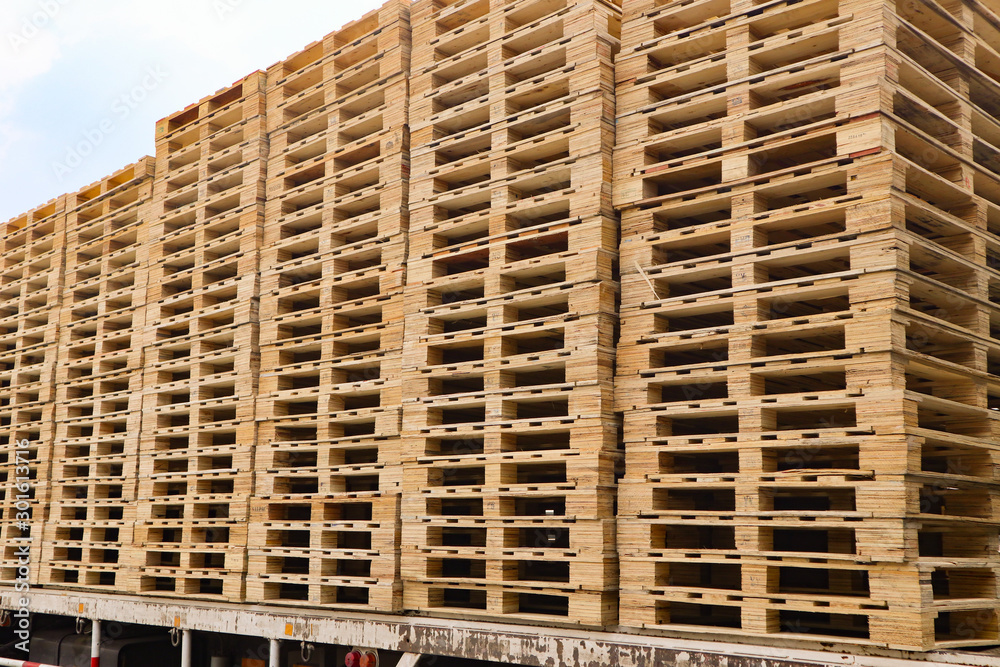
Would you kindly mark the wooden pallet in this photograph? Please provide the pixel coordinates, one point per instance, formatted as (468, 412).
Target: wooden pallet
(458, 263)
(317, 549)
(772, 46)
(447, 32)
(703, 21)
(89, 471)
(317, 203)
(358, 154)
(343, 382)
(335, 415)
(771, 156)
(328, 526)
(39, 229)
(514, 566)
(162, 467)
(193, 544)
(347, 401)
(547, 168)
(14, 539)
(114, 435)
(567, 200)
(575, 128)
(491, 72)
(549, 605)
(353, 173)
(174, 553)
(85, 542)
(343, 133)
(99, 351)
(315, 464)
(457, 495)
(116, 302)
(69, 574)
(532, 95)
(342, 274)
(437, 321)
(30, 374)
(198, 584)
(224, 109)
(320, 228)
(346, 60)
(372, 88)
(310, 259)
(535, 473)
(207, 199)
(362, 345)
(350, 322)
(212, 485)
(330, 547)
(288, 100)
(346, 591)
(378, 30)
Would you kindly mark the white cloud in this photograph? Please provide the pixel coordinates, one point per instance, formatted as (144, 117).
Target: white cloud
(94, 51)
(10, 134)
(29, 49)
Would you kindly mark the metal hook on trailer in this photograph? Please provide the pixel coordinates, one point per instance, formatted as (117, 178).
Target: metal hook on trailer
(81, 623)
(306, 651)
(175, 637)
(5, 618)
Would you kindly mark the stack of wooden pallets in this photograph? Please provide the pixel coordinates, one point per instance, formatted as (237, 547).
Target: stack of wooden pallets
(751, 266)
(99, 381)
(201, 352)
(31, 279)
(325, 513)
(510, 443)
(807, 349)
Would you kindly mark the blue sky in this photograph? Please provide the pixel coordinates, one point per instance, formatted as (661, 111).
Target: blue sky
(83, 82)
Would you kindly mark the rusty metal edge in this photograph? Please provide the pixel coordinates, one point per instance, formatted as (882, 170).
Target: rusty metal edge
(527, 645)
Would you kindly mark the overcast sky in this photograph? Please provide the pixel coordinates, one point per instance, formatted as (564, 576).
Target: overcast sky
(83, 82)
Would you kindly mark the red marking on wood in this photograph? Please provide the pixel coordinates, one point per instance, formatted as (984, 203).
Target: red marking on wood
(870, 151)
